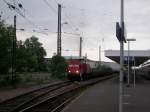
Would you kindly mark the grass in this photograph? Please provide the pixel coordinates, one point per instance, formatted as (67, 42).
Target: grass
(28, 79)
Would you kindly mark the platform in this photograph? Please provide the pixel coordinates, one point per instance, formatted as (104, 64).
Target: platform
(104, 97)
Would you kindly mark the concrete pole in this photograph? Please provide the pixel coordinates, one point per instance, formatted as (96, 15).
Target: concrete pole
(59, 31)
(129, 39)
(128, 63)
(14, 53)
(99, 55)
(0, 16)
(80, 49)
(121, 58)
(134, 72)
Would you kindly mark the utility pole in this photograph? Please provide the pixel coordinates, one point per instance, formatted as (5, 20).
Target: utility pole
(0, 16)
(99, 55)
(121, 57)
(128, 63)
(134, 72)
(80, 49)
(129, 39)
(59, 31)
(14, 52)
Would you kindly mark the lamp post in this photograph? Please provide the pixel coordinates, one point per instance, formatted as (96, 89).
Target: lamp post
(129, 39)
(100, 55)
(134, 73)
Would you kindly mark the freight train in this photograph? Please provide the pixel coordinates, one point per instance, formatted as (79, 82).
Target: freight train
(80, 69)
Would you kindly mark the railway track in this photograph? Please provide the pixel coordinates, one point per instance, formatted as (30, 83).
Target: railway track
(51, 103)
(51, 99)
(18, 103)
(60, 99)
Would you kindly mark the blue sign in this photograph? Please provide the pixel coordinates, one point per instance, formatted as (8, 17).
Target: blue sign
(120, 32)
(131, 58)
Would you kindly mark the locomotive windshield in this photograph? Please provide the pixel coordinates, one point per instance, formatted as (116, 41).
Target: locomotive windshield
(73, 65)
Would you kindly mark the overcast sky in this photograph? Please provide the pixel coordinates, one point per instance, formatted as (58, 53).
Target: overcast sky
(94, 20)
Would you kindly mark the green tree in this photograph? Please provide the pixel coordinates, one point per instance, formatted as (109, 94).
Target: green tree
(58, 66)
(22, 57)
(6, 35)
(29, 56)
(36, 54)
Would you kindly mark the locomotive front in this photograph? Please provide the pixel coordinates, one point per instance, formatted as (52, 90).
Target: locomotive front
(74, 71)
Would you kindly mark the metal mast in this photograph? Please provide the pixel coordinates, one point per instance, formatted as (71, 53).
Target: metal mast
(14, 52)
(59, 31)
(80, 50)
(121, 57)
(99, 55)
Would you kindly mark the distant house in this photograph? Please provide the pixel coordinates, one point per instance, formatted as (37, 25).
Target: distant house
(47, 60)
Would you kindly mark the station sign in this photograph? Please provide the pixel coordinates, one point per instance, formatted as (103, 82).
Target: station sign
(120, 32)
(131, 58)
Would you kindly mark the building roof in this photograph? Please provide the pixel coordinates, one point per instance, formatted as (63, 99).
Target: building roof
(73, 57)
(139, 56)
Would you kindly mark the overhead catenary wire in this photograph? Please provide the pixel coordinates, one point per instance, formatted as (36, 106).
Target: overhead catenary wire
(55, 10)
(71, 25)
(49, 5)
(25, 17)
(67, 17)
(56, 2)
(17, 10)
(14, 7)
(70, 21)
(84, 21)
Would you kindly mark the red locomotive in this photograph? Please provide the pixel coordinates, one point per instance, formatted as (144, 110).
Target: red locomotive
(78, 69)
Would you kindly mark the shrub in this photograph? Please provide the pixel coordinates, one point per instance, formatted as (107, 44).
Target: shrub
(58, 67)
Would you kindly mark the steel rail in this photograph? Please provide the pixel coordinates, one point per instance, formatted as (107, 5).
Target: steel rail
(50, 102)
(57, 101)
(17, 102)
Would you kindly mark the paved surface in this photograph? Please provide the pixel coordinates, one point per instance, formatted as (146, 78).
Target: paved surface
(103, 97)
(137, 99)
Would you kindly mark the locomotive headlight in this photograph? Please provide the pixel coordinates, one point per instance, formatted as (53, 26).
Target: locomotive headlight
(77, 71)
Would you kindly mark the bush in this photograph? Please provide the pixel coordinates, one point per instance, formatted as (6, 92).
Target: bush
(106, 70)
(58, 67)
(7, 80)
(102, 70)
